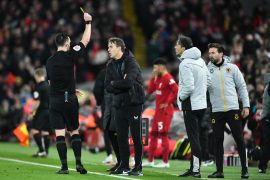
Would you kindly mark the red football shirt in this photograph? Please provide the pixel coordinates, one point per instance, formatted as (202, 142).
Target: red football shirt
(166, 91)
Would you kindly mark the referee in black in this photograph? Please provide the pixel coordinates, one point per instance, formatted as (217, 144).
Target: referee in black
(63, 100)
(40, 126)
(124, 80)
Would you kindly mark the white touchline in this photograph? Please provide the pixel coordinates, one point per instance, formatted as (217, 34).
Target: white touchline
(173, 174)
(53, 166)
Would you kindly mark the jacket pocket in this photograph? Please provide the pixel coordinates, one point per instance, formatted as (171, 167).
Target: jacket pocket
(136, 94)
(186, 104)
(117, 100)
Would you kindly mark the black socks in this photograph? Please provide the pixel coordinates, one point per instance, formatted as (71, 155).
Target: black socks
(37, 138)
(76, 144)
(62, 151)
(47, 143)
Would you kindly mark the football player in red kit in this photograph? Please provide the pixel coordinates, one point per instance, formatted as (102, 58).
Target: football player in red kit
(166, 90)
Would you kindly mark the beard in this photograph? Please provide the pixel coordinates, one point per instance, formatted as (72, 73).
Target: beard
(213, 60)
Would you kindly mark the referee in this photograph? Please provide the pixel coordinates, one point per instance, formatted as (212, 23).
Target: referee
(63, 100)
(41, 124)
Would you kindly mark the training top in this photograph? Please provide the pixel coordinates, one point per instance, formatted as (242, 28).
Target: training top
(227, 83)
(194, 79)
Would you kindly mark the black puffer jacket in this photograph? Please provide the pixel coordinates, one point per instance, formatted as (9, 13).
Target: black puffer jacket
(109, 121)
(266, 103)
(125, 83)
(104, 99)
(99, 87)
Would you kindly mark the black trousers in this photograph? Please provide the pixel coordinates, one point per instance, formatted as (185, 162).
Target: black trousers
(192, 121)
(107, 142)
(265, 156)
(113, 140)
(219, 120)
(204, 133)
(129, 117)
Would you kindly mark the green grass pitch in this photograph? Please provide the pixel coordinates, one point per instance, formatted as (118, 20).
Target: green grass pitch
(16, 163)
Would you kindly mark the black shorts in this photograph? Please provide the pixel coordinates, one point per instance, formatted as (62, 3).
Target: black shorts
(64, 114)
(41, 120)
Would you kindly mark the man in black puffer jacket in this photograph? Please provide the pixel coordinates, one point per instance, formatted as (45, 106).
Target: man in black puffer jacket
(265, 120)
(124, 80)
(100, 100)
(104, 99)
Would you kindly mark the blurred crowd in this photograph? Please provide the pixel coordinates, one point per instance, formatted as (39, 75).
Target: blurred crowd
(28, 28)
(27, 35)
(246, 35)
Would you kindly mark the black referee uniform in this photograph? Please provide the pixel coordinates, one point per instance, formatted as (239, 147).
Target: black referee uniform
(41, 118)
(63, 100)
(64, 104)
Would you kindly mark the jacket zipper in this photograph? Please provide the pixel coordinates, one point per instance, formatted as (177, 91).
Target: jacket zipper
(222, 89)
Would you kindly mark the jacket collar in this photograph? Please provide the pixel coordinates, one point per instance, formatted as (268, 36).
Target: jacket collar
(220, 64)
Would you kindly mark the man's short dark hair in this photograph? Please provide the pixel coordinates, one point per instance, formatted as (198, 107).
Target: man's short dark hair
(118, 42)
(219, 47)
(40, 72)
(61, 39)
(160, 61)
(185, 41)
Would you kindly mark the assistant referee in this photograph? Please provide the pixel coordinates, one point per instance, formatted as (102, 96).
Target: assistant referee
(63, 100)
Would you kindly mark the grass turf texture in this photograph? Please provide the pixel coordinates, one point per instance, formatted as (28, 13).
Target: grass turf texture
(23, 170)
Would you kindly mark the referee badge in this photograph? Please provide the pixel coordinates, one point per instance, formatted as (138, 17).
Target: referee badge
(213, 121)
(236, 117)
(77, 48)
(36, 95)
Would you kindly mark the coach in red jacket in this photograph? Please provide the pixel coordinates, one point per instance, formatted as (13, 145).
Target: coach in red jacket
(166, 90)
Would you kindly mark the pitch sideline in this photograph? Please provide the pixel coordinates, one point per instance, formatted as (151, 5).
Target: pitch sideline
(53, 166)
